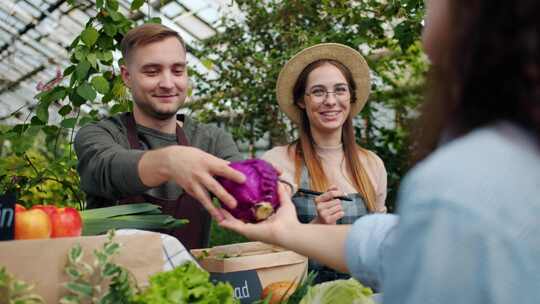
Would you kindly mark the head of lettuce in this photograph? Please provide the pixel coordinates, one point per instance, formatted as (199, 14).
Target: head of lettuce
(340, 291)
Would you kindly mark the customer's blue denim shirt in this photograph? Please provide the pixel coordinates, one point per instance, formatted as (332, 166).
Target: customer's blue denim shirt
(468, 229)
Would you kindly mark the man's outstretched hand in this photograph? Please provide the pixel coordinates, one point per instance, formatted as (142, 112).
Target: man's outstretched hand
(192, 169)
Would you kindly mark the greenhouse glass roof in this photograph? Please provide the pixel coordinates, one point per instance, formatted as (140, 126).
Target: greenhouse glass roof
(34, 35)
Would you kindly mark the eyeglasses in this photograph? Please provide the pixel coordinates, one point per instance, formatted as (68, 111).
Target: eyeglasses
(320, 94)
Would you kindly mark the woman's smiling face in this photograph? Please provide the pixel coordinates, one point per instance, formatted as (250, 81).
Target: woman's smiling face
(328, 100)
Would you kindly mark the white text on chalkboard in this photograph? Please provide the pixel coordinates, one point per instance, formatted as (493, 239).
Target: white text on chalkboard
(242, 292)
(6, 217)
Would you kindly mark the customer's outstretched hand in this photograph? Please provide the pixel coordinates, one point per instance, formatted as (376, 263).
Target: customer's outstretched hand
(272, 229)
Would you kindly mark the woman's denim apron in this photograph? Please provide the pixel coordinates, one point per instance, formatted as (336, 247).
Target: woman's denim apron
(306, 211)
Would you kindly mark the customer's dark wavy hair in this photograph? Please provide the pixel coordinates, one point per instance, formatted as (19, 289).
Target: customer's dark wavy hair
(491, 71)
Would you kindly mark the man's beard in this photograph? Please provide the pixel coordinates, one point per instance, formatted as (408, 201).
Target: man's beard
(148, 109)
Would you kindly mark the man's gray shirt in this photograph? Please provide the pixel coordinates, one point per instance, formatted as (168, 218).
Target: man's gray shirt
(108, 166)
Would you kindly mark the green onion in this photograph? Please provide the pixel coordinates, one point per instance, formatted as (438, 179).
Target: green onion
(130, 216)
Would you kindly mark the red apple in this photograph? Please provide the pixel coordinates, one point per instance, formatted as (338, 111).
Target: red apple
(49, 209)
(32, 224)
(19, 208)
(66, 222)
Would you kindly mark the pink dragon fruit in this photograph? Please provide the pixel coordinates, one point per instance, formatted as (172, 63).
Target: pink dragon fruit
(257, 197)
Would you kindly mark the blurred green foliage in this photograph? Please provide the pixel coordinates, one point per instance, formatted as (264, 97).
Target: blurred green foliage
(39, 168)
(247, 54)
(38, 160)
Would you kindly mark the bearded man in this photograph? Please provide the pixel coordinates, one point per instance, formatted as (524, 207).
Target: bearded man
(153, 154)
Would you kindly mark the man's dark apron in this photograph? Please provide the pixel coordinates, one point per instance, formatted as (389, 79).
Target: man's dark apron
(195, 233)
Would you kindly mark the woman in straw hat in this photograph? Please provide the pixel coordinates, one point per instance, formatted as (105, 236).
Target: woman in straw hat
(468, 214)
(321, 89)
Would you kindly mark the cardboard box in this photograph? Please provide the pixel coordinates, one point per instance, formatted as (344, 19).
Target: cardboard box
(252, 266)
(42, 262)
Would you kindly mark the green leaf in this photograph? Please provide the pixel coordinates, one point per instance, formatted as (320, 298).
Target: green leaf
(72, 80)
(82, 289)
(89, 36)
(21, 287)
(101, 257)
(81, 52)
(73, 273)
(127, 25)
(50, 130)
(74, 43)
(42, 111)
(58, 93)
(207, 63)
(405, 35)
(100, 84)
(76, 99)
(109, 270)
(68, 123)
(136, 4)
(107, 97)
(106, 56)
(111, 248)
(33, 131)
(82, 70)
(86, 91)
(99, 4)
(115, 16)
(69, 70)
(20, 128)
(110, 234)
(85, 120)
(70, 299)
(154, 20)
(117, 108)
(112, 4)
(110, 29)
(65, 110)
(92, 59)
(105, 42)
(40, 95)
(119, 89)
(75, 254)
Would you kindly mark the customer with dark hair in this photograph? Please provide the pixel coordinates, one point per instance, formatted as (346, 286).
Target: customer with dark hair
(467, 230)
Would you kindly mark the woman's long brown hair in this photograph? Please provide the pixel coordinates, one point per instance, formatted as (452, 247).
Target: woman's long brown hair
(305, 153)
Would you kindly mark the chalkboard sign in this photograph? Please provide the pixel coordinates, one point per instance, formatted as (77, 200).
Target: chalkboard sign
(7, 216)
(246, 284)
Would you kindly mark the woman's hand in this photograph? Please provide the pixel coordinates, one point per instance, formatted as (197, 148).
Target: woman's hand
(273, 229)
(324, 243)
(329, 209)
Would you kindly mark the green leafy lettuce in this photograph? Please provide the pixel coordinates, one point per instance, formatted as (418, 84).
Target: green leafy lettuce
(340, 291)
(185, 284)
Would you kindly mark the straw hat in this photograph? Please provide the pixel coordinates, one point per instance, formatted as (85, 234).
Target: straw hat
(349, 57)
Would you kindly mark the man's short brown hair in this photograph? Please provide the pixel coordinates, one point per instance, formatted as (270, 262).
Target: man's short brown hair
(146, 34)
